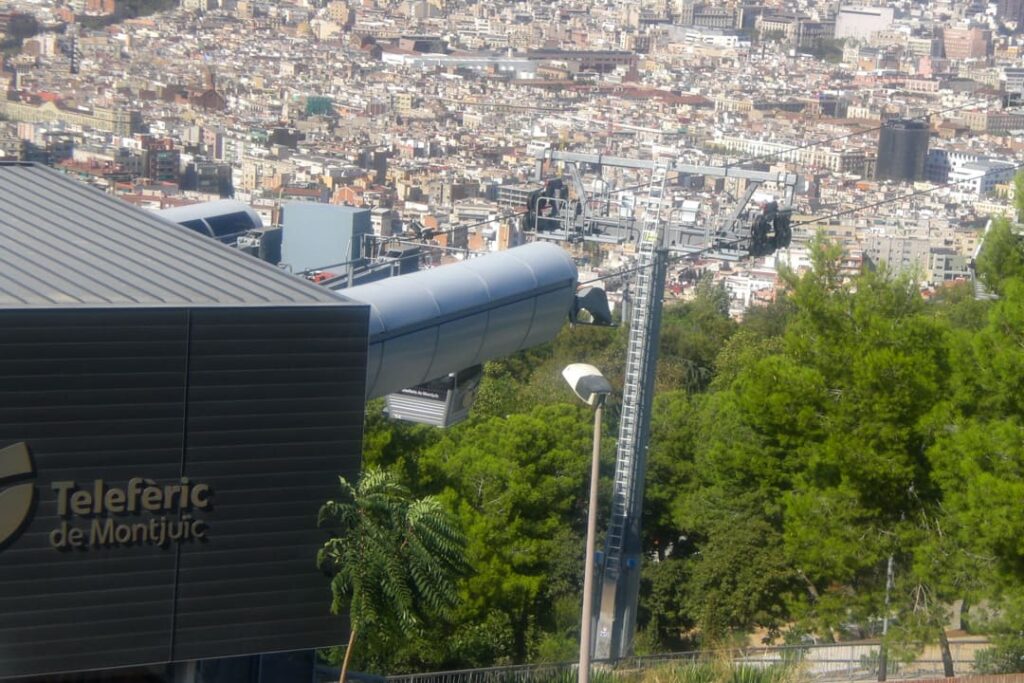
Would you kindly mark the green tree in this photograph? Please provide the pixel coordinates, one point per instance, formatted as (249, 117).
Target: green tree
(395, 445)
(980, 466)
(741, 578)
(864, 486)
(978, 457)
(988, 365)
(500, 393)
(393, 560)
(1002, 255)
(533, 377)
(957, 305)
(750, 438)
(1018, 195)
(770, 320)
(791, 456)
(675, 421)
(518, 486)
(665, 615)
(811, 456)
(692, 334)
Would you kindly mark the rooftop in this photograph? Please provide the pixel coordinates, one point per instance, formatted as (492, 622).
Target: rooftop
(68, 245)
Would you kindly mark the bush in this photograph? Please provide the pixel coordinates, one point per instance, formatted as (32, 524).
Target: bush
(1005, 657)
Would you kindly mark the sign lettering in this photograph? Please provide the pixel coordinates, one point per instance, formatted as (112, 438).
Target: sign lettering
(171, 509)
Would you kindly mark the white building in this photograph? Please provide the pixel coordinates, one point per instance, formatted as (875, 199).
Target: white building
(701, 35)
(749, 288)
(945, 265)
(860, 22)
(940, 163)
(518, 66)
(981, 177)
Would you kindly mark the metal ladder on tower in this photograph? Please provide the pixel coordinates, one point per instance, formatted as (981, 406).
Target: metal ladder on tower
(616, 600)
(630, 422)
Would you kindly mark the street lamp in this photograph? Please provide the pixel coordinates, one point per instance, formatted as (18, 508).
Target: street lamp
(590, 385)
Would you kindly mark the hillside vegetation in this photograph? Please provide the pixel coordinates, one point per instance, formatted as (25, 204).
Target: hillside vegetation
(792, 456)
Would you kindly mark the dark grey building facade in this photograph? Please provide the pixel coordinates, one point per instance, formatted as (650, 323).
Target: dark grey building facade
(172, 415)
(902, 147)
(1011, 10)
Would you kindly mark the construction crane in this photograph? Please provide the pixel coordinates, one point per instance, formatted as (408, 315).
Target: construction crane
(557, 215)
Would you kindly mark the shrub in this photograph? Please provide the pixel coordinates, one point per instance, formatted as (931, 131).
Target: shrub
(1006, 657)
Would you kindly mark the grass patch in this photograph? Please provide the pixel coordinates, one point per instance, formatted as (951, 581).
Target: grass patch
(720, 671)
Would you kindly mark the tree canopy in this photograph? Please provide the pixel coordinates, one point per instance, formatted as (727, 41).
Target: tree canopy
(794, 455)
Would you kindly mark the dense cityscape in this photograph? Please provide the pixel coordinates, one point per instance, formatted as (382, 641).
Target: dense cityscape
(787, 232)
(423, 111)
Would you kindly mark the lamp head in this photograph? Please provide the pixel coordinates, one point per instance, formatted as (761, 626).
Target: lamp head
(587, 382)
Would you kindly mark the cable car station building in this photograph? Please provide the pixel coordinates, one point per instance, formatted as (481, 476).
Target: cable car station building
(174, 412)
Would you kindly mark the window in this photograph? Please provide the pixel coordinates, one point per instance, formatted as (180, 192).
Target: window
(199, 225)
(230, 224)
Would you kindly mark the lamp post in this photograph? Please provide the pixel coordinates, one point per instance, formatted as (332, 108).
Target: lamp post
(589, 384)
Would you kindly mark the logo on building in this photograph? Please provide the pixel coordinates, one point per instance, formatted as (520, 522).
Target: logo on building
(17, 492)
(99, 514)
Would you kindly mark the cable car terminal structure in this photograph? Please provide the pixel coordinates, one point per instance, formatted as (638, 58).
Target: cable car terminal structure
(562, 210)
(173, 412)
(744, 232)
(141, 358)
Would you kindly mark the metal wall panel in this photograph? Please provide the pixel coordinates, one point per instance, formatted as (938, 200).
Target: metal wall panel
(263, 405)
(93, 394)
(67, 244)
(275, 414)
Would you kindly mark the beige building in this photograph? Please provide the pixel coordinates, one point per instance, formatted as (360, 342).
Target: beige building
(966, 43)
(993, 121)
(125, 122)
(836, 160)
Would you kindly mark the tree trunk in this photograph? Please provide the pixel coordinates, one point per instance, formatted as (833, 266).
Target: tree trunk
(965, 606)
(883, 651)
(812, 590)
(348, 656)
(947, 655)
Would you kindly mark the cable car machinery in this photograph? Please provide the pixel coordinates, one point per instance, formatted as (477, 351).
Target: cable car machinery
(555, 214)
(585, 216)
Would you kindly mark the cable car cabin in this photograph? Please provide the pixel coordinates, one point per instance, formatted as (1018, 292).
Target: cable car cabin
(441, 402)
(770, 230)
(548, 209)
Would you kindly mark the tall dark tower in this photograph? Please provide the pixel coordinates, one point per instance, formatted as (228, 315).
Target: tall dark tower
(1011, 10)
(902, 146)
(209, 77)
(75, 65)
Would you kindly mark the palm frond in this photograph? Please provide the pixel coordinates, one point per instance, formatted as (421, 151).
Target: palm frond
(394, 561)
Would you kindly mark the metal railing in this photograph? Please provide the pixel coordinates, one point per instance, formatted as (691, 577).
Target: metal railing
(817, 663)
(859, 661)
